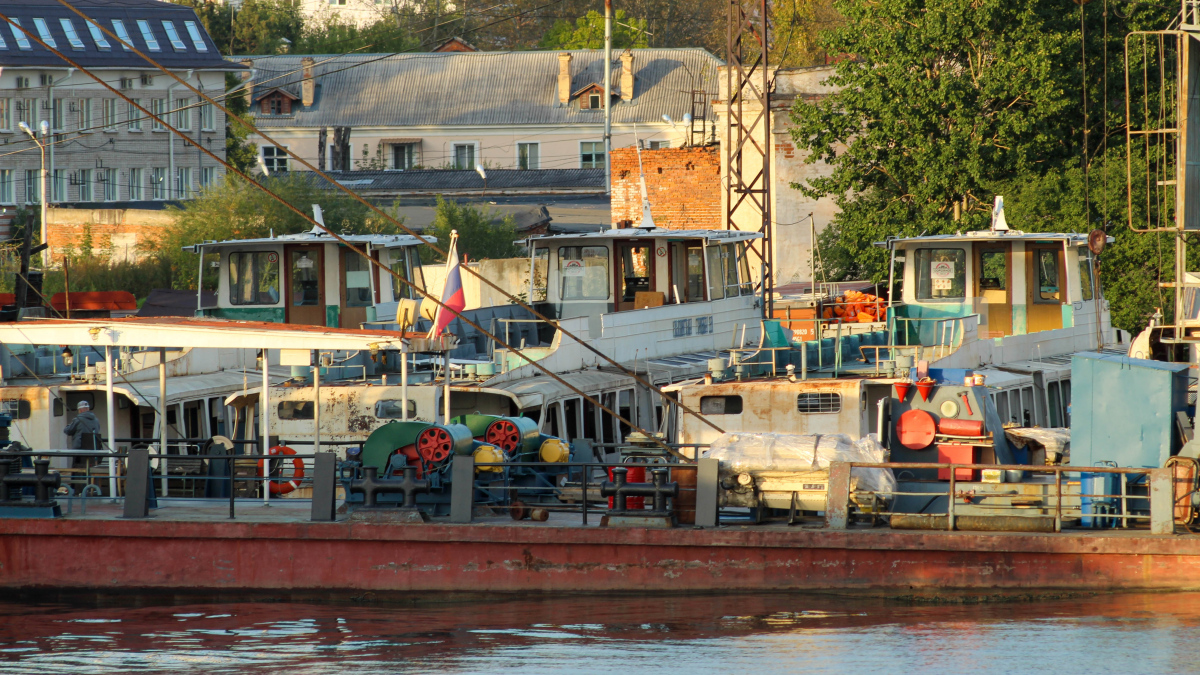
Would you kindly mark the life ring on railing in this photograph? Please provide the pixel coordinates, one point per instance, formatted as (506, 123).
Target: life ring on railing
(281, 487)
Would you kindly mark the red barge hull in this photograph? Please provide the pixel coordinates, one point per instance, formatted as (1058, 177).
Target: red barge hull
(99, 554)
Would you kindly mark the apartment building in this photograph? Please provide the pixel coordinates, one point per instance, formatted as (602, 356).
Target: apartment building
(100, 148)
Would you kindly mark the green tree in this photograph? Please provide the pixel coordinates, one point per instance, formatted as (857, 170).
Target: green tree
(239, 151)
(958, 101)
(239, 210)
(481, 233)
(588, 33)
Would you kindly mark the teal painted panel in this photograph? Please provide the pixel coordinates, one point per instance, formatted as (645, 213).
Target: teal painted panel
(923, 331)
(268, 314)
(1068, 312)
(1020, 325)
(331, 316)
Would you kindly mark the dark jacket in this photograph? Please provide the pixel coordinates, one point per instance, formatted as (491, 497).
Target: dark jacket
(79, 428)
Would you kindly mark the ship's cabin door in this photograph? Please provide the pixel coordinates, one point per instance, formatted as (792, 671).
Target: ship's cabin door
(995, 287)
(634, 275)
(1046, 282)
(306, 287)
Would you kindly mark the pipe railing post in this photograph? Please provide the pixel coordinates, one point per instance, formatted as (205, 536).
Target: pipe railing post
(837, 504)
(462, 489)
(1162, 501)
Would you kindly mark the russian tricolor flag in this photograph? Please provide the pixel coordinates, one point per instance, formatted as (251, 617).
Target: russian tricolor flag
(453, 298)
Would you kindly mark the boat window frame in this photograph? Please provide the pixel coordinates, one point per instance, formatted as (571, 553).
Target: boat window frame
(919, 265)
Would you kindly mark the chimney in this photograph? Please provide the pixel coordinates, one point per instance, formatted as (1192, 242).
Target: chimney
(626, 75)
(308, 85)
(247, 77)
(564, 78)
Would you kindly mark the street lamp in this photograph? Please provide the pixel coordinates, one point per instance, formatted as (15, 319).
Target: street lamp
(44, 128)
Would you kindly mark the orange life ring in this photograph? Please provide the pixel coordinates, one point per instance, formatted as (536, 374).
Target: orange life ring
(280, 487)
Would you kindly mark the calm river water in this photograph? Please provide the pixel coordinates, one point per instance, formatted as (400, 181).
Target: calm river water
(754, 634)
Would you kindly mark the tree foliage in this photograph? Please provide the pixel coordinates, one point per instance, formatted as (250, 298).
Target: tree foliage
(951, 101)
(237, 209)
(588, 33)
(481, 233)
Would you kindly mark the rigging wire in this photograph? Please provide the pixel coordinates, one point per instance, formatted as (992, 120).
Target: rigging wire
(512, 298)
(378, 264)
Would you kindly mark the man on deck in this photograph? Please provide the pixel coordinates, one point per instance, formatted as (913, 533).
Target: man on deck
(84, 430)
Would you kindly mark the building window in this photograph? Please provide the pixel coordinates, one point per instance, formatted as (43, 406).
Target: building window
(98, 37)
(136, 179)
(5, 114)
(33, 186)
(403, 156)
(158, 108)
(593, 101)
(44, 32)
(197, 37)
(464, 156)
(207, 117)
(6, 186)
(72, 36)
(183, 182)
(56, 114)
(254, 278)
(22, 40)
(85, 185)
(158, 183)
(527, 156)
(183, 114)
(659, 145)
(173, 36)
(591, 155)
(941, 273)
(58, 185)
(275, 158)
(135, 115)
(276, 104)
(122, 34)
(108, 182)
(108, 114)
(26, 111)
(208, 176)
(85, 114)
(148, 35)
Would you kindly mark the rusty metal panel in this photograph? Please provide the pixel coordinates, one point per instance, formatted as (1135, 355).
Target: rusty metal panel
(837, 507)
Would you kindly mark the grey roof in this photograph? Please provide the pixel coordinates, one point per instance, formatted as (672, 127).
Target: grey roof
(103, 12)
(480, 88)
(449, 180)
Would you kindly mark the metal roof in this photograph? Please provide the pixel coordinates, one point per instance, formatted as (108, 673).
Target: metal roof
(318, 236)
(182, 388)
(1075, 238)
(480, 88)
(533, 391)
(436, 181)
(654, 232)
(86, 52)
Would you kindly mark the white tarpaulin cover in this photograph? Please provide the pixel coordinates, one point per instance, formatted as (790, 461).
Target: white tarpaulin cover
(751, 453)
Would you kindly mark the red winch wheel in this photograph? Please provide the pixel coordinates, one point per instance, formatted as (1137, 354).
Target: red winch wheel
(504, 435)
(434, 444)
(282, 487)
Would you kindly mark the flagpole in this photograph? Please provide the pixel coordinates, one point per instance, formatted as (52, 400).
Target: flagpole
(451, 263)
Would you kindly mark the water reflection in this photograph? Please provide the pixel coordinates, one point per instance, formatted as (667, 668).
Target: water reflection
(727, 633)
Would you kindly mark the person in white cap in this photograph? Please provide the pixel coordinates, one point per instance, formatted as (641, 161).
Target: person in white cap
(84, 429)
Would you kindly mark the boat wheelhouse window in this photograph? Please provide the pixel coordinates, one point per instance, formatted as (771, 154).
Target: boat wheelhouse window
(571, 415)
(406, 262)
(552, 425)
(392, 409)
(584, 272)
(357, 272)
(695, 274)
(541, 270)
(608, 423)
(720, 405)
(729, 263)
(819, 402)
(626, 408)
(941, 273)
(295, 410)
(993, 270)
(1048, 289)
(74, 398)
(18, 409)
(1086, 281)
(306, 279)
(716, 273)
(253, 278)
(589, 419)
(635, 270)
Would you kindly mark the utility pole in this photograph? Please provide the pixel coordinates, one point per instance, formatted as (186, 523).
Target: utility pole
(608, 19)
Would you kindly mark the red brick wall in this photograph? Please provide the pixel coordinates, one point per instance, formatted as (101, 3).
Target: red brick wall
(684, 186)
